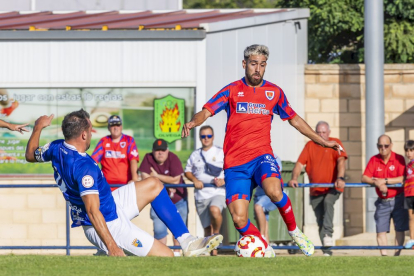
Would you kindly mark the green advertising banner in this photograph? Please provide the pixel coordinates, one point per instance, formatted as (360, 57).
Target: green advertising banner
(168, 118)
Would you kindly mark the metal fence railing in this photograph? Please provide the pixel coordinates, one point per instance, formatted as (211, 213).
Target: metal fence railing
(69, 247)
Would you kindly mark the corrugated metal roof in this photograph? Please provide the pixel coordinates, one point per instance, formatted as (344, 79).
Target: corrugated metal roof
(114, 20)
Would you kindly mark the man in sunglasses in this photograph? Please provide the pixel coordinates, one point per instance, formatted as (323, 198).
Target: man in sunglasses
(385, 168)
(166, 166)
(209, 201)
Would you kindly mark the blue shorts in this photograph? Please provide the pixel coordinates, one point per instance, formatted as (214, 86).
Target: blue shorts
(241, 180)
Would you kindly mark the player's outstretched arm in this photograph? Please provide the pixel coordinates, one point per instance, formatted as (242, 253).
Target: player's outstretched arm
(33, 142)
(14, 127)
(303, 127)
(92, 204)
(197, 120)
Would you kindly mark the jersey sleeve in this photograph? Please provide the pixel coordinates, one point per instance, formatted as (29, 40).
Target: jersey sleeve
(145, 166)
(219, 101)
(86, 176)
(283, 108)
(369, 170)
(343, 153)
(98, 152)
(176, 168)
(133, 151)
(44, 153)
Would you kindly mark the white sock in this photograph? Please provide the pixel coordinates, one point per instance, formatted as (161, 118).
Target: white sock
(294, 231)
(183, 240)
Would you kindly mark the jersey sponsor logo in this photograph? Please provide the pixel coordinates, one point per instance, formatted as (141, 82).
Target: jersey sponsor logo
(270, 95)
(122, 144)
(240, 94)
(252, 108)
(134, 153)
(392, 167)
(241, 108)
(87, 181)
(379, 169)
(107, 145)
(114, 154)
(137, 243)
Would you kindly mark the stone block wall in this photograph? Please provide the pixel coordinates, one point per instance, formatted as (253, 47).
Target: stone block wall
(336, 94)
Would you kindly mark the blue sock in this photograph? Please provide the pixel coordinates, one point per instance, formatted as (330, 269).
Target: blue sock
(167, 212)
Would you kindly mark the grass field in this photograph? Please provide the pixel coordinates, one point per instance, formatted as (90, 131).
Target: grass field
(90, 265)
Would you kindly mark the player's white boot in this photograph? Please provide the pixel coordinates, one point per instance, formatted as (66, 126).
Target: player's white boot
(269, 252)
(196, 246)
(302, 241)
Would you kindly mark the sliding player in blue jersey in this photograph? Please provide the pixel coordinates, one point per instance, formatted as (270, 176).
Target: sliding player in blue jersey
(105, 216)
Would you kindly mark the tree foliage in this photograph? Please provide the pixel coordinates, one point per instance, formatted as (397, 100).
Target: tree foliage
(336, 27)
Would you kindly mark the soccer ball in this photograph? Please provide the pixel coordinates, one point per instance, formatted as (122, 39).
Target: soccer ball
(250, 247)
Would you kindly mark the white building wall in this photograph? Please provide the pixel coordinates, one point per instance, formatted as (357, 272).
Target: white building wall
(98, 63)
(288, 55)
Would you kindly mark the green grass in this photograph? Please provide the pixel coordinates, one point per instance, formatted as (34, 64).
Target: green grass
(89, 265)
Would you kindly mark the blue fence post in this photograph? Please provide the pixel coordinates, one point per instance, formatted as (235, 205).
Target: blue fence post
(67, 230)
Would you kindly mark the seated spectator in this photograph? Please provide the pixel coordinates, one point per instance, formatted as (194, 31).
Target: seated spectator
(263, 206)
(385, 168)
(409, 189)
(210, 201)
(166, 166)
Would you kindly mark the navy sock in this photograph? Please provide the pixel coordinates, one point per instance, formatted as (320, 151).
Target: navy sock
(168, 213)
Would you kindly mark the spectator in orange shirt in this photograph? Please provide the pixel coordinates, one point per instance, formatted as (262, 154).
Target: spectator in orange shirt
(387, 167)
(322, 166)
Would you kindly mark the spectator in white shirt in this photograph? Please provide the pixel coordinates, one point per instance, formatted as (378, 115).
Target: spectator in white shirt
(203, 166)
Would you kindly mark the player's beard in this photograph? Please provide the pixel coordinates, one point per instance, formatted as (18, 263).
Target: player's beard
(252, 81)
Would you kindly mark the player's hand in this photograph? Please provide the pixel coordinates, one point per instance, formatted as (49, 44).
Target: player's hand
(116, 252)
(171, 192)
(333, 145)
(186, 129)
(44, 121)
(383, 189)
(198, 184)
(293, 183)
(19, 128)
(339, 183)
(219, 182)
(378, 182)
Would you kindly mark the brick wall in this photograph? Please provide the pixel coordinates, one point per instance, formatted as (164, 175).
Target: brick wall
(336, 94)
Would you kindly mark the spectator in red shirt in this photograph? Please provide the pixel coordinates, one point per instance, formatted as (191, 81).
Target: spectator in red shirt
(387, 167)
(166, 166)
(117, 154)
(322, 166)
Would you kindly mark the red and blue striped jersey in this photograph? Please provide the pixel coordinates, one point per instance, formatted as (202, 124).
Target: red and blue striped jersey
(250, 112)
(115, 158)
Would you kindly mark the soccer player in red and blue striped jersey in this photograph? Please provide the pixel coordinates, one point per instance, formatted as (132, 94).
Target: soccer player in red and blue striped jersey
(250, 104)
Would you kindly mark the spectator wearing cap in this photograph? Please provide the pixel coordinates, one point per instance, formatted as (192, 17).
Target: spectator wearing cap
(166, 166)
(385, 168)
(210, 201)
(117, 154)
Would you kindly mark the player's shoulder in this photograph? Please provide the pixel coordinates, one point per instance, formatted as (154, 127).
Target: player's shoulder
(268, 84)
(233, 85)
(335, 139)
(400, 158)
(128, 138)
(85, 163)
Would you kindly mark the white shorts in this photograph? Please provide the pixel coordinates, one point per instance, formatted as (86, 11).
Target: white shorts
(127, 235)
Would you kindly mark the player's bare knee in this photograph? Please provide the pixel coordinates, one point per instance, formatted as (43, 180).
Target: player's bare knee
(275, 195)
(239, 221)
(215, 212)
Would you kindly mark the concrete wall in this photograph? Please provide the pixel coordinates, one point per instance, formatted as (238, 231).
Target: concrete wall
(336, 94)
